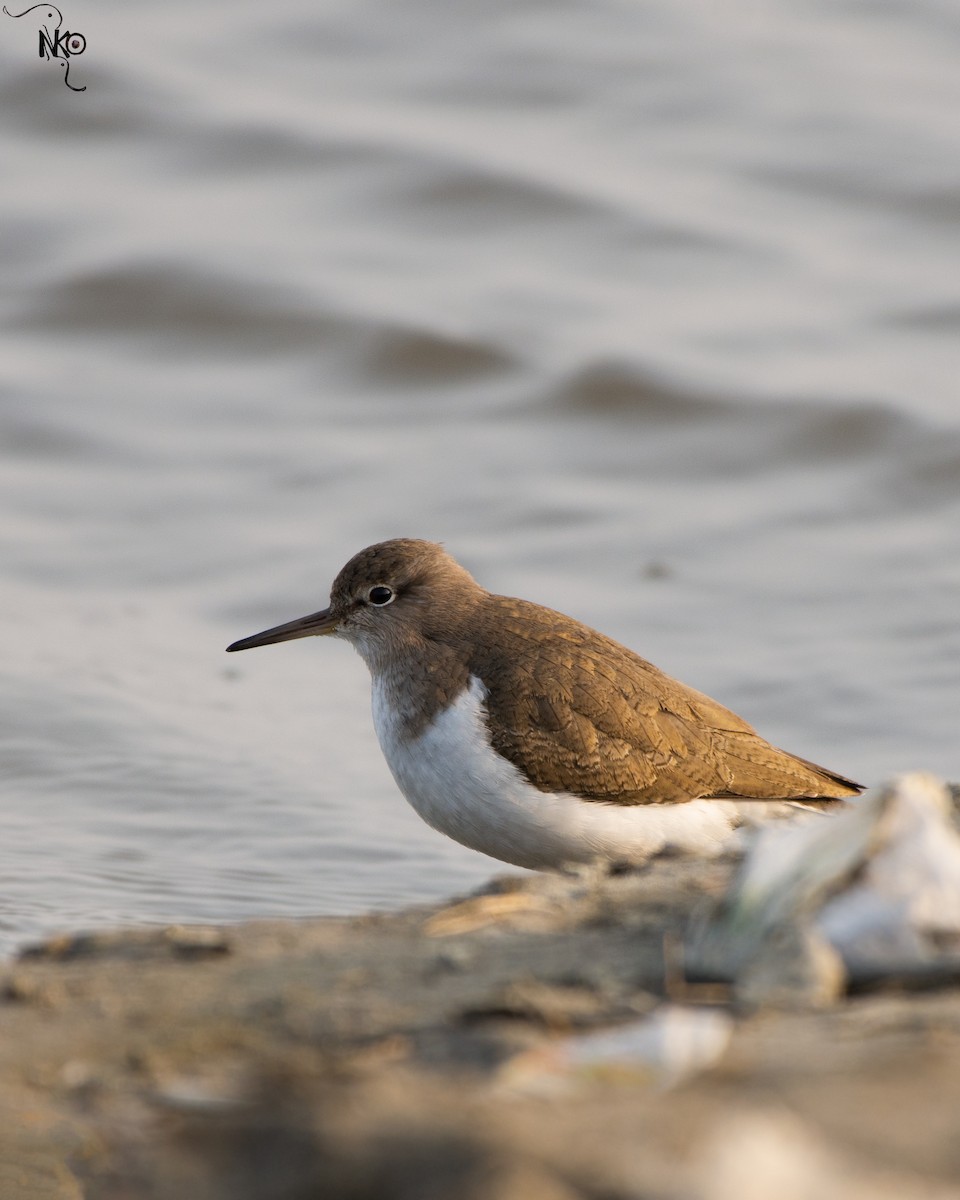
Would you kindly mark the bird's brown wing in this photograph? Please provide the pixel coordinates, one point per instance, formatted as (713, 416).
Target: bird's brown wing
(579, 713)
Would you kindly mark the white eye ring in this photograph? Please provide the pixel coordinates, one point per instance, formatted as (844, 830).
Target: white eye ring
(381, 594)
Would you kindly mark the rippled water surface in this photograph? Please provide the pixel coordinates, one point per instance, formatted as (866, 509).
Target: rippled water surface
(649, 311)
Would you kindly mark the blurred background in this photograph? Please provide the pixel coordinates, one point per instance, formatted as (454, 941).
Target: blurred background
(648, 310)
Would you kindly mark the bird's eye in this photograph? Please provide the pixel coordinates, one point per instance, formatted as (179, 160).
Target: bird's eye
(380, 595)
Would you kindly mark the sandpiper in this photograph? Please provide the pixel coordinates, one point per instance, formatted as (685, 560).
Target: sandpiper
(526, 735)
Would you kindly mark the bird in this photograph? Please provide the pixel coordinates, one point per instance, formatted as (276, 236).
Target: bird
(530, 737)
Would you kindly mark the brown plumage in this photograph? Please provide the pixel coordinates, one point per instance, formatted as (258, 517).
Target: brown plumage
(578, 712)
(574, 710)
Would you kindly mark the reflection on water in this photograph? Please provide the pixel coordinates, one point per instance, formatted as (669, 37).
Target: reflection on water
(650, 313)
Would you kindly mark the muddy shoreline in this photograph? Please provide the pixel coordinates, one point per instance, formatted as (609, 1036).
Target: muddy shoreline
(377, 1057)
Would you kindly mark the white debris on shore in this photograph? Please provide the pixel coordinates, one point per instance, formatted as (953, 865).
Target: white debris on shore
(875, 890)
(660, 1050)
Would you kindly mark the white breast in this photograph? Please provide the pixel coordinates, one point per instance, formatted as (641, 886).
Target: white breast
(459, 784)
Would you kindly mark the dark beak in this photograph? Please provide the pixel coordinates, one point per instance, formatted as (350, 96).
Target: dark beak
(316, 625)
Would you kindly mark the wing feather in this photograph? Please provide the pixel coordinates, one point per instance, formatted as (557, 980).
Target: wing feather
(611, 727)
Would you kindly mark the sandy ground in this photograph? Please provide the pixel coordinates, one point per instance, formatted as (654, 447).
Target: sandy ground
(423, 1055)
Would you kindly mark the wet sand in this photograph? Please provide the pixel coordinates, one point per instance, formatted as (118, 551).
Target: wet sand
(377, 1057)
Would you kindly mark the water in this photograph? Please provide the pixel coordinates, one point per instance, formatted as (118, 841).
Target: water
(649, 311)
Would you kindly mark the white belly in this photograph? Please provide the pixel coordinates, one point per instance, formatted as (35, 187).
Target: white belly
(458, 784)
